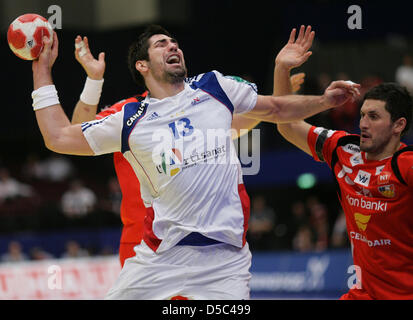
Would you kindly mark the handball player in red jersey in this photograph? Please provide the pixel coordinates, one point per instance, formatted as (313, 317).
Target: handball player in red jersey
(373, 172)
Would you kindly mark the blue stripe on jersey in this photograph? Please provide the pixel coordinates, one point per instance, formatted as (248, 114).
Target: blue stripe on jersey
(209, 83)
(87, 125)
(133, 112)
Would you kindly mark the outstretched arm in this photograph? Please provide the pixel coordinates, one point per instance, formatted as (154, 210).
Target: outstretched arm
(86, 107)
(298, 107)
(239, 122)
(58, 133)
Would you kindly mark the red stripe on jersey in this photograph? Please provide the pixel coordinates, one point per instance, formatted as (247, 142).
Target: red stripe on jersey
(245, 202)
(148, 236)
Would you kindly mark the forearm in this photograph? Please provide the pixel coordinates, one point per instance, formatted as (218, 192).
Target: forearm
(298, 107)
(296, 133)
(86, 107)
(84, 112)
(287, 108)
(58, 133)
(282, 83)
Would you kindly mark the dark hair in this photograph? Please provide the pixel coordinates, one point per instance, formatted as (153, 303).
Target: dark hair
(398, 100)
(138, 50)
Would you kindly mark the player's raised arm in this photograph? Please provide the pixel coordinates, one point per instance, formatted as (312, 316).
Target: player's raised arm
(86, 107)
(58, 133)
(292, 55)
(293, 108)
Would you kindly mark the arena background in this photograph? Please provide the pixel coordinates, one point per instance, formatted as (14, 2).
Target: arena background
(293, 258)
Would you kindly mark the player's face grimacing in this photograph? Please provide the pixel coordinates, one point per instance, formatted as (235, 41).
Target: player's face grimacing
(376, 126)
(166, 60)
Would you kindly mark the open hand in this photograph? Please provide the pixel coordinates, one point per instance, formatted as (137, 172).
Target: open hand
(295, 52)
(95, 68)
(296, 81)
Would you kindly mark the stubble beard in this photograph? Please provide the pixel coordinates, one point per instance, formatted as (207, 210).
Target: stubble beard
(376, 147)
(175, 76)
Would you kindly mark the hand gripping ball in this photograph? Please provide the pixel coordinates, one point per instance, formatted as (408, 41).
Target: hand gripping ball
(25, 35)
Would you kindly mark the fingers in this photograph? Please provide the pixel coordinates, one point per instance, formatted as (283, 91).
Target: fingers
(292, 36)
(81, 46)
(101, 57)
(305, 37)
(348, 86)
(55, 43)
(308, 41)
(300, 35)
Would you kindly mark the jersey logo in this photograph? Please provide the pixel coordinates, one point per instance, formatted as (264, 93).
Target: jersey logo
(171, 162)
(153, 116)
(199, 100)
(379, 169)
(363, 178)
(384, 177)
(137, 114)
(351, 148)
(361, 221)
(356, 159)
(388, 190)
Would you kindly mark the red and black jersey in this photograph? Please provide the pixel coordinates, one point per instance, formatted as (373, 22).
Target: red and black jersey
(377, 198)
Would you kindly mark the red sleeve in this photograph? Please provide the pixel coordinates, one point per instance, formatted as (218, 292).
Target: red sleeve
(405, 163)
(322, 142)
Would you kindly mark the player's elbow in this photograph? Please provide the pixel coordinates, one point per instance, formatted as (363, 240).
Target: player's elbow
(54, 142)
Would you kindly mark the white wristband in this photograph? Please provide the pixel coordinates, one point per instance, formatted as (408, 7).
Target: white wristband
(91, 92)
(45, 97)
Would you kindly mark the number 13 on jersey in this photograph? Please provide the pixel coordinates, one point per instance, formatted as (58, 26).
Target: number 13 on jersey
(181, 128)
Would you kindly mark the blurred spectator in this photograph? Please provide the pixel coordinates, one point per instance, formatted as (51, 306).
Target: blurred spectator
(56, 168)
(261, 224)
(78, 201)
(298, 216)
(74, 250)
(339, 238)
(33, 169)
(318, 223)
(404, 73)
(37, 253)
(14, 253)
(303, 239)
(114, 199)
(10, 188)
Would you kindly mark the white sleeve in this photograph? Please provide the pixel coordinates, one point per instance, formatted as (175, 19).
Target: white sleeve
(241, 93)
(104, 135)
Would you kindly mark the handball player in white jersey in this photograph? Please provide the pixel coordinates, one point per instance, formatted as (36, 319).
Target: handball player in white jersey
(197, 208)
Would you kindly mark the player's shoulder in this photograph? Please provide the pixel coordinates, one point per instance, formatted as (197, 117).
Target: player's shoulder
(118, 106)
(215, 76)
(335, 138)
(402, 164)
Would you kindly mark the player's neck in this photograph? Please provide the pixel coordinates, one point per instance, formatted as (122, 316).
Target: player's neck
(387, 151)
(162, 90)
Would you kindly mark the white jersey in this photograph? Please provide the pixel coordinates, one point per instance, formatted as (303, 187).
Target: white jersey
(181, 150)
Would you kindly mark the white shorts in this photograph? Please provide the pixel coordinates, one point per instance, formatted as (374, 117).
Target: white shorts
(213, 272)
